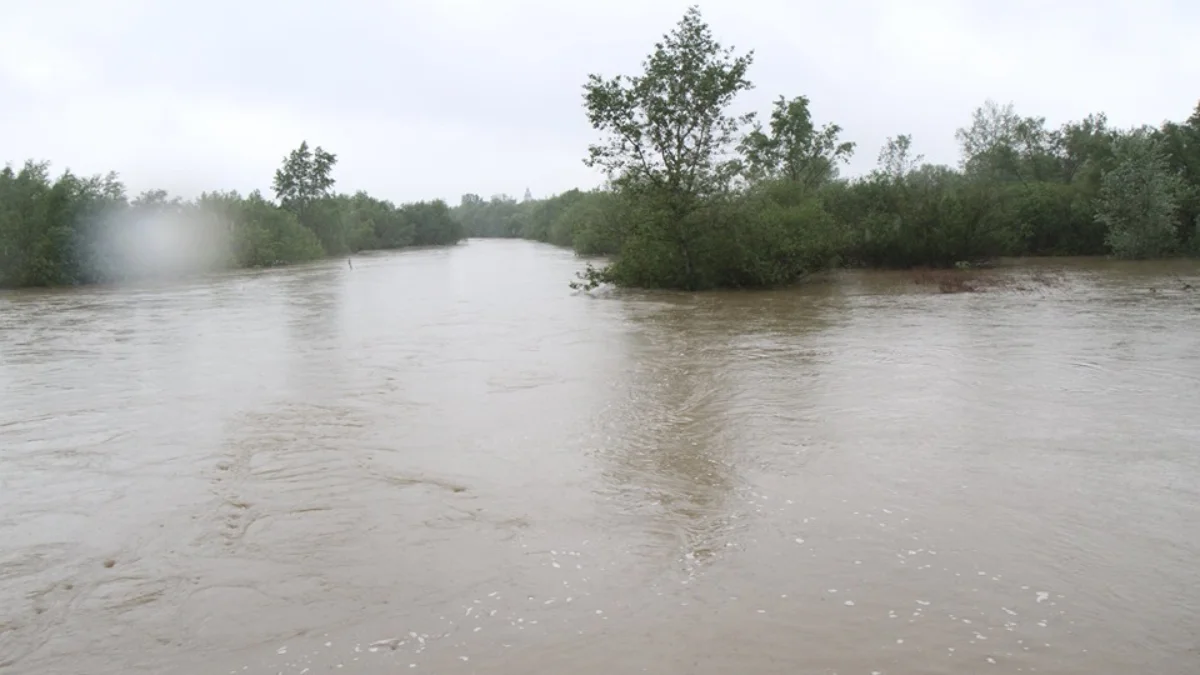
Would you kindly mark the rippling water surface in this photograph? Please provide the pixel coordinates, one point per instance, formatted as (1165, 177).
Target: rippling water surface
(445, 461)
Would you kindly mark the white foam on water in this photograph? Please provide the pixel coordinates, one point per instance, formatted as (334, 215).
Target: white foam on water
(849, 603)
(1042, 596)
(281, 650)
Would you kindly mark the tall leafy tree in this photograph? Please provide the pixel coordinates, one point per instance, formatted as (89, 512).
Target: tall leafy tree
(670, 140)
(1139, 199)
(305, 177)
(793, 148)
(304, 186)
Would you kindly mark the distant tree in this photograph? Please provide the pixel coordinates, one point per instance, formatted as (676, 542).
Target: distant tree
(896, 159)
(305, 177)
(793, 148)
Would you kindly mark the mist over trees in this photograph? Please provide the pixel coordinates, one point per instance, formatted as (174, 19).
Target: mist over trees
(697, 194)
(67, 230)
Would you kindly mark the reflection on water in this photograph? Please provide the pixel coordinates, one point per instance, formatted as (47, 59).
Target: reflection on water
(444, 460)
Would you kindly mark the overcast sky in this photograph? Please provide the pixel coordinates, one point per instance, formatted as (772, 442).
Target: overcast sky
(425, 99)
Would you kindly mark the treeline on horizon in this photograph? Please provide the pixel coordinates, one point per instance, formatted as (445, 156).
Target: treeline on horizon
(77, 230)
(698, 197)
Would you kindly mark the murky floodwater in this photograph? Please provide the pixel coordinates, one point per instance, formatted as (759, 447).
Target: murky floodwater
(444, 461)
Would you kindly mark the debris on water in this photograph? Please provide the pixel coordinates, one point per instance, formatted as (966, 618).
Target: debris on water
(281, 650)
(390, 643)
(799, 540)
(1042, 596)
(849, 603)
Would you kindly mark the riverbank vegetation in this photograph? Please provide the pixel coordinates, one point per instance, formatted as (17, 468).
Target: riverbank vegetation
(70, 229)
(697, 194)
(700, 196)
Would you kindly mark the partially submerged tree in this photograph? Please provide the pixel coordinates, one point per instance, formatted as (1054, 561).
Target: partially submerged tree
(670, 142)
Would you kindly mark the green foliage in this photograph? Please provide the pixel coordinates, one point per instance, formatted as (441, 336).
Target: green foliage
(74, 230)
(668, 140)
(305, 177)
(432, 223)
(695, 197)
(1139, 199)
(48, 228)
(685, 212)
(262, 235)
(794, 149)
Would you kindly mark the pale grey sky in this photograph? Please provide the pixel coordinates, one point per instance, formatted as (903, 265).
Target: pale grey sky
(434, 99)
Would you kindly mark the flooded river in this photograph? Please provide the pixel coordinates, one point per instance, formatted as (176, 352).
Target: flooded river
(444, 461)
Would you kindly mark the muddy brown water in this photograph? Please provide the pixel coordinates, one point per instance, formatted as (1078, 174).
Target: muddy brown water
(444, 461)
